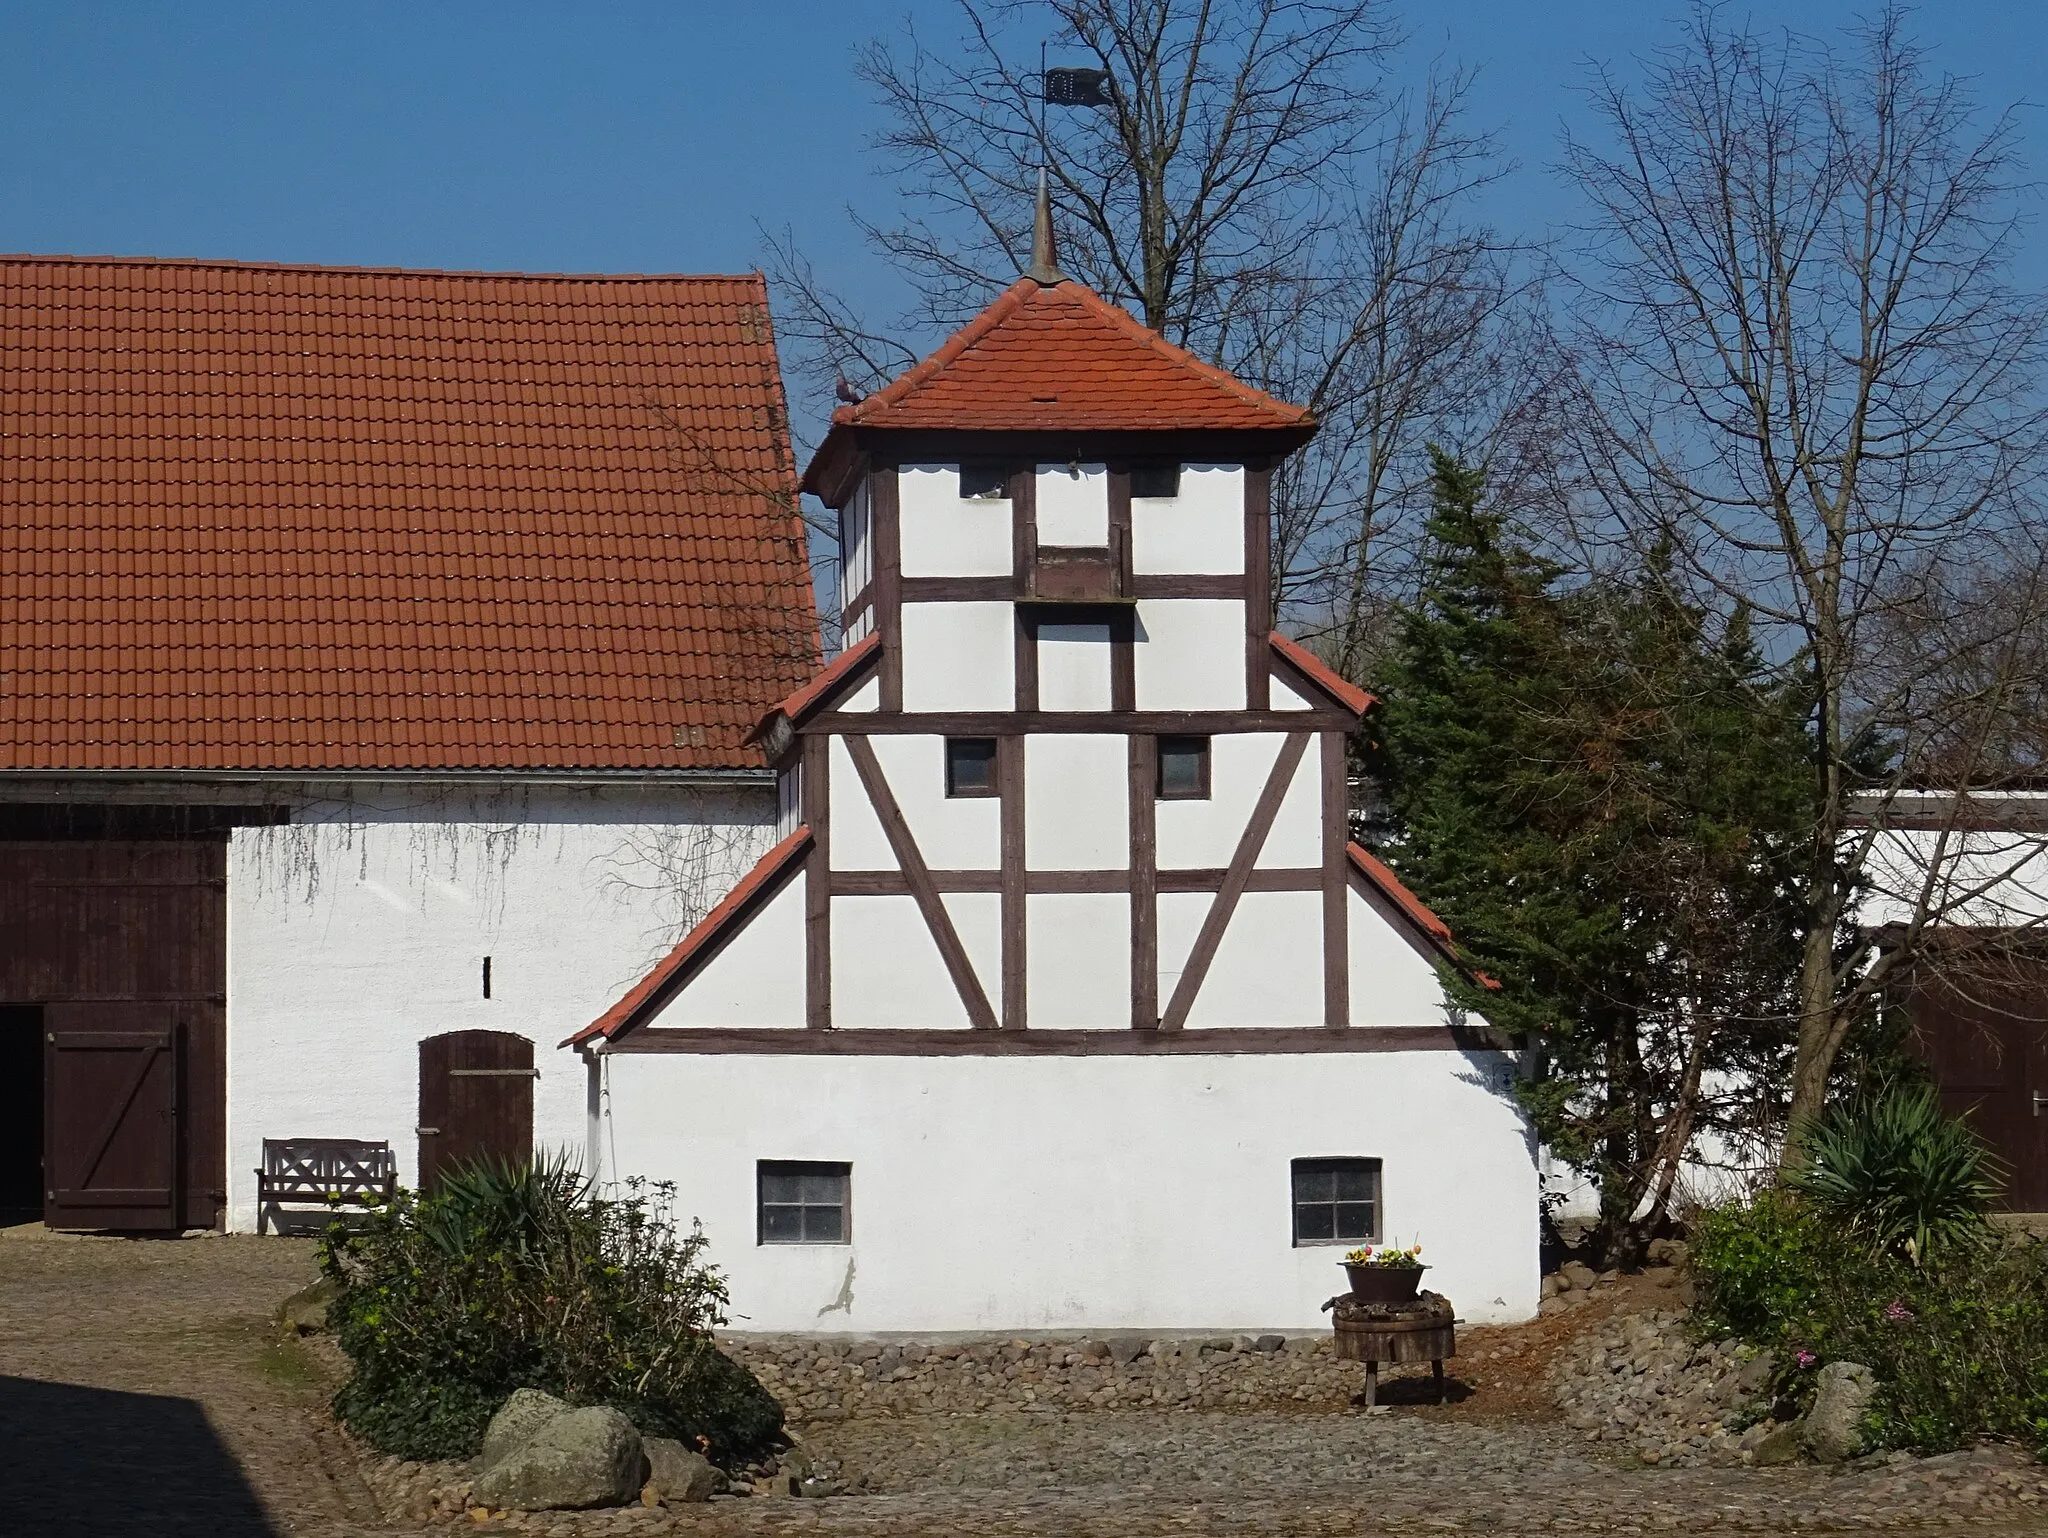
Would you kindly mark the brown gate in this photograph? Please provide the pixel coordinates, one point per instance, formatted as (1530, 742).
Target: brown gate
(476, 1101)
(110, 1093)
(1985, 1039)
(112, 938)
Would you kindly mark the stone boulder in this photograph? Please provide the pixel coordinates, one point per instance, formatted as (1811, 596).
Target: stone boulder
(577, 1459)
(678, 1475)
(1781, 1442)
(305, 1311)
(518, 1420)
(1833, 1429)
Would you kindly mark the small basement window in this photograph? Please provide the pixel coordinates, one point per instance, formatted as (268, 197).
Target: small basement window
(1336, 1201)
(804, 1202)
(1183, 768)
(984, 483)
(1155, 480)
(970, 766)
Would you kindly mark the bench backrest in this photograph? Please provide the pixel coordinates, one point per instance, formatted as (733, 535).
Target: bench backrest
(335, 1163)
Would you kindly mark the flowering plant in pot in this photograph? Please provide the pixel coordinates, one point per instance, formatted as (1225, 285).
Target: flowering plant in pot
(1385, 1273)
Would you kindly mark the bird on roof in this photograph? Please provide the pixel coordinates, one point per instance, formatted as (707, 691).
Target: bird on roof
(845, 391)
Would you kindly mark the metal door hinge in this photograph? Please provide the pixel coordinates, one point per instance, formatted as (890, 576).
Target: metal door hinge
(494, 1073)
(428, 1131)
(2039, 1101)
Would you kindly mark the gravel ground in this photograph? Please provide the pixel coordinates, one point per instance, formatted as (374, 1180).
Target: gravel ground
(143, 1391)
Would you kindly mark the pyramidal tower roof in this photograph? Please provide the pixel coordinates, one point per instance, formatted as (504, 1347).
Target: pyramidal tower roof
(1051, 356)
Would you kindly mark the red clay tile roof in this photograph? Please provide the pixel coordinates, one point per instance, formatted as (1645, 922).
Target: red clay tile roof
(291, 518)
(1060, 358)
(762, 881)
(799, 706)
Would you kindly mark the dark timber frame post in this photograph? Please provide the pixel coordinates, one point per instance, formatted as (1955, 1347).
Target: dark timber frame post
(1258, 585)
(1024, 566)
(886, 530)
(1336, 808)
(1010, 786)
(1144, 780)
(817, 815)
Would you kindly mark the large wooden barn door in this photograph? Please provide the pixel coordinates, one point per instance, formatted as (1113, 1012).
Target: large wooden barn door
(476, 1101)
(1986, 1044)
(111, 939)
(110, 1093)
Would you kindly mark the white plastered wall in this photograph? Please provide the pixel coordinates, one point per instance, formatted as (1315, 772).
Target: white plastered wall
(750, 983)
(1200, 531)
(959, 656)
(1077, 960)
(1189, 654)
(1073, 667)
(1203, 834)
(1076, 802)
(361, 929)
(951, 832)
(1073, 505)
(1084, 1194)
(1268, 970)
(944, 536)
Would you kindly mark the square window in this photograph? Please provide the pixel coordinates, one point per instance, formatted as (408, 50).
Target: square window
(984, 483)
(1155, 480)
(1336, 1201)
(970, 766)
(803, 1202)
(1183, 768)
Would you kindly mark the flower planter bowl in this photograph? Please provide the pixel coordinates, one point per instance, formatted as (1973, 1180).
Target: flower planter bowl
(1384, 1284)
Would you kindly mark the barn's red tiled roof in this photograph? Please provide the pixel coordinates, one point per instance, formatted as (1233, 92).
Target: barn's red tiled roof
(301, 518)
(1059, 358)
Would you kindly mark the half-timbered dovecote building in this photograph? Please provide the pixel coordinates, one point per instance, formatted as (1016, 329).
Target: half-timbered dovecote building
(1063, 1000)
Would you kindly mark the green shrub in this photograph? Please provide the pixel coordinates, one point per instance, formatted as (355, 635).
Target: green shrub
(1898, 1172)
(1959, 1341)
(523, 1277)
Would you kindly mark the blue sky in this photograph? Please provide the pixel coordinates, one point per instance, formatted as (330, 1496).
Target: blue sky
(639, 137)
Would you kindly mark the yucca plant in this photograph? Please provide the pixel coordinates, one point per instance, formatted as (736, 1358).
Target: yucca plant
(1899, 1172)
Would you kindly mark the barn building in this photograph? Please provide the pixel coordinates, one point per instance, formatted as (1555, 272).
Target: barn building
(377, 651)
(1061, 1000)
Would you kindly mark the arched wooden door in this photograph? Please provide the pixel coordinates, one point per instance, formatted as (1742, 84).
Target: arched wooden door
(476, 1101)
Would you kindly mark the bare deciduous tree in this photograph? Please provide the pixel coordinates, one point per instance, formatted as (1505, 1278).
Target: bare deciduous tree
(1806, 368)
(1251, 191)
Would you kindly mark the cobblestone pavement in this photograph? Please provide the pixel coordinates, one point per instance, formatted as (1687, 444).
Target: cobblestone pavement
(142, 1392)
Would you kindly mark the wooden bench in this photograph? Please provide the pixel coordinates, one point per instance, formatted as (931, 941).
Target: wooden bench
(328, 1172)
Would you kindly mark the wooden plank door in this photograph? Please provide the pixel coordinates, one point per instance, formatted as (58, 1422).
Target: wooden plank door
(476, 1101)
(2027, 1187)
(110, 1095)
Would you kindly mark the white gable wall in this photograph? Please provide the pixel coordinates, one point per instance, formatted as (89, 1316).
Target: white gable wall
(959, 656)
(886, 968)
(362, 929)
(1073, 667)
(1392, 983)
(755, 981)
(1076, 802)
(945, 536)
(1073, 505)
(952, 832)
(1077, 962)
(1190, 654)
(1201, 530)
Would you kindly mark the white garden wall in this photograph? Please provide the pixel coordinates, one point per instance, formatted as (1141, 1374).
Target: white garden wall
(362, 928)
(1117, 1193)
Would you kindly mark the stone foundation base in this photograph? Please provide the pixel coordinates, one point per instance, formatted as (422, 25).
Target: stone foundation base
(830, 1379)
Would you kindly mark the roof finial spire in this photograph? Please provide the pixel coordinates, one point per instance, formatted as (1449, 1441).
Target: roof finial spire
(1044, 266)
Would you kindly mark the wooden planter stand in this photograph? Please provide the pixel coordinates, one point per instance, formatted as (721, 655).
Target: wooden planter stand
(1422, 1330)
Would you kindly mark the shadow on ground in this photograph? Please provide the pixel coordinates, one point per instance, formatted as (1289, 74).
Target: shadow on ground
(82, 1461)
